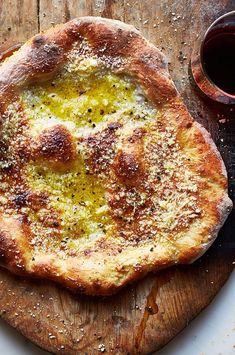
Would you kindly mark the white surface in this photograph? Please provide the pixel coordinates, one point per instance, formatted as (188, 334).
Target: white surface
(211, 333)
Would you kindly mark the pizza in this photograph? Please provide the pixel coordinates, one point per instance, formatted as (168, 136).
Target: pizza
(104, 175)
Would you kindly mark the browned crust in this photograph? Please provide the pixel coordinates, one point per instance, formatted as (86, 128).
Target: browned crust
(12, 242)
(45, 53)
(39, 59)
(55, 147)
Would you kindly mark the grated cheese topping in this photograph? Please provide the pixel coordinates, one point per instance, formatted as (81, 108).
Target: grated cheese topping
(128, 178)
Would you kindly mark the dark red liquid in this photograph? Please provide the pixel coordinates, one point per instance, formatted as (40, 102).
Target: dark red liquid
(218, 58)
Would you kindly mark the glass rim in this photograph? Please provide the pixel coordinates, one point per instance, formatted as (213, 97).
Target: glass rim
(206, 84)
(227, 14)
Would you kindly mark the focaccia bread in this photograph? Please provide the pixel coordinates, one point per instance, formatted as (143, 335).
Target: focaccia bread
(104, 175)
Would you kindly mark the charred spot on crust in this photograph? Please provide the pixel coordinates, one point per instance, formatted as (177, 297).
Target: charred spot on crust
(20, 199)
(38, 40)
(128, 168)
(114, 126)
(55, 145)
(45, 58)
(189, 124)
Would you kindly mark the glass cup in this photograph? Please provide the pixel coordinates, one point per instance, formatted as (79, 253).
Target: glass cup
(213, 60)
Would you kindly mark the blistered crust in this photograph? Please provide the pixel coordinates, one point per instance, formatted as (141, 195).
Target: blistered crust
(44, 54)
(55, 147)
(108, 268)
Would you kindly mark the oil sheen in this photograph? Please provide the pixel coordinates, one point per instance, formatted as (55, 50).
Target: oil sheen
(82, 99)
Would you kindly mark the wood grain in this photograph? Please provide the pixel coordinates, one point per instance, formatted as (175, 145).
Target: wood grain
(18, 21)
(144, 316)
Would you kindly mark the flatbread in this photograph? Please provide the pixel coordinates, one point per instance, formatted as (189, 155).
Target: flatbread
(104, 175)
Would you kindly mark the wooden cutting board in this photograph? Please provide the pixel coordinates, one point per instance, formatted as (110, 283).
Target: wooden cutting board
(145, 316)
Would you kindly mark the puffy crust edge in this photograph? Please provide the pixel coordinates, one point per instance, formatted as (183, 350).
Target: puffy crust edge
(43, 55)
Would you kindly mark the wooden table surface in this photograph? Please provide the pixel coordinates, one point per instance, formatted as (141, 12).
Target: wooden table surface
(144, 316)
